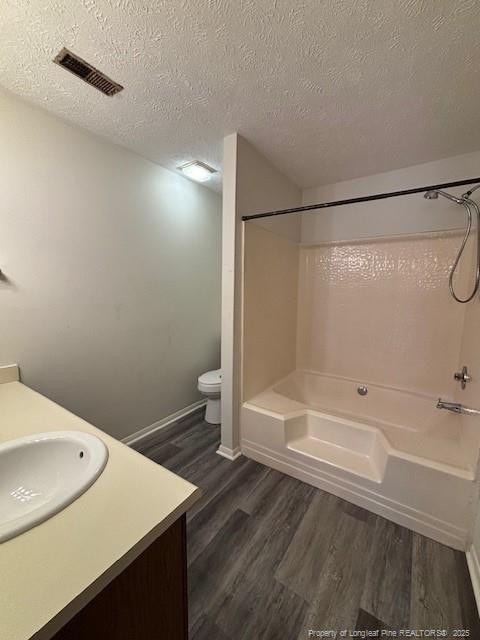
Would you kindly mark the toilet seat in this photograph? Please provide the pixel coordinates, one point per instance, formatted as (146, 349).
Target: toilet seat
(210, 382)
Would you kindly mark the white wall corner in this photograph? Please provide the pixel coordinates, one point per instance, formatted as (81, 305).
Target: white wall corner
(229, 428)
(250, 183)
(230, 454)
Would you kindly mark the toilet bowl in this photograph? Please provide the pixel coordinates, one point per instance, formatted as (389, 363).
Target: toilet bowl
(210, 384)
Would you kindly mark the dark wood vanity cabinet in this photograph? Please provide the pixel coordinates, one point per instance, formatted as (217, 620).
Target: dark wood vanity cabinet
(147, 601)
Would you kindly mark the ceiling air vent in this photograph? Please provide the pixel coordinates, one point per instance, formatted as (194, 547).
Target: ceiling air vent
(85, 71)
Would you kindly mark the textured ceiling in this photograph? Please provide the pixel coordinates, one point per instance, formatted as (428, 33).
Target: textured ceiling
(327, 89)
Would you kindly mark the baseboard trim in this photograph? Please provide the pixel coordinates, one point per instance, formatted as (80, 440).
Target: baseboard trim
(147, 432)
(9, 373)
(399, 513)
(474, 570)
(230, 454)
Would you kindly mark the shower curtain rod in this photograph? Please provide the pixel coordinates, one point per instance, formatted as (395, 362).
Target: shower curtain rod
(376, 196)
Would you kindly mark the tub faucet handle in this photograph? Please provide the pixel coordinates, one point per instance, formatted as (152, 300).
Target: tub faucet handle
(463, 377)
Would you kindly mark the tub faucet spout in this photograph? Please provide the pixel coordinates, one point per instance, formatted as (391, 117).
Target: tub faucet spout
(455, 407)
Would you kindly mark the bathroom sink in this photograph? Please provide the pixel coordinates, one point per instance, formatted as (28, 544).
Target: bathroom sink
(43, 473)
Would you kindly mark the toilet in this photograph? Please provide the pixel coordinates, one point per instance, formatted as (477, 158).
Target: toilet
(210, 384)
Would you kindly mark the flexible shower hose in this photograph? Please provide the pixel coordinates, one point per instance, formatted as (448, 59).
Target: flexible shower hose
(467, 203)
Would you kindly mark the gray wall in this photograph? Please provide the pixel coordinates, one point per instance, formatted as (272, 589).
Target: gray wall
(111, 305)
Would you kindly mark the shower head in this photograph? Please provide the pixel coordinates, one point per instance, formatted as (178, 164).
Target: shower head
(433, 195)
(468, 193)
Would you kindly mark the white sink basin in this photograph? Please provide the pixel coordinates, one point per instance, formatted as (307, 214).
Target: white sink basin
(43, 473)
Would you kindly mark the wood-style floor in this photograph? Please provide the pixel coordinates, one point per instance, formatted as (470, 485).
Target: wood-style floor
(271, 557)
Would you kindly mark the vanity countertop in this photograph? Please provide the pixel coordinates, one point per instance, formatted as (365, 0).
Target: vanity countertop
(51, 571)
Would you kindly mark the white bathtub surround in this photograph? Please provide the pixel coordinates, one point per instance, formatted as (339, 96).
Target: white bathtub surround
(270, 308)
(470, 353)
(389, 451)
(375, 312)
(380, 309)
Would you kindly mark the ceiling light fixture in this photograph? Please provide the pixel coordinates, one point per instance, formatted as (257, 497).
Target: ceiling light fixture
(198, 171)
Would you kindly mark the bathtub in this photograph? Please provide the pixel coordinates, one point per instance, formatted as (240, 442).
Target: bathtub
(388, 450)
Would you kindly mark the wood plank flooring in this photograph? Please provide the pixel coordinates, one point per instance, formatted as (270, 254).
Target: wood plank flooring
(272, 558)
